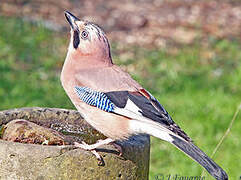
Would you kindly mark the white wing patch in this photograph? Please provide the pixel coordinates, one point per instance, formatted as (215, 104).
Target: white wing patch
(138, 126)
(130, 110)
(132, 107)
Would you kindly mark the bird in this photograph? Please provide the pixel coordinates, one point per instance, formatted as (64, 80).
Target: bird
(112, 102)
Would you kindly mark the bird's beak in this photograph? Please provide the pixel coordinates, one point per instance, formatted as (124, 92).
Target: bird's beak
(71, 19)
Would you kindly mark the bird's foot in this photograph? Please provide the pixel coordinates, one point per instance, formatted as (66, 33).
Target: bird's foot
(92, 148)
(88, 147)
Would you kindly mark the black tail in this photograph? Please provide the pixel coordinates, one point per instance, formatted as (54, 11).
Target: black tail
(198, 155)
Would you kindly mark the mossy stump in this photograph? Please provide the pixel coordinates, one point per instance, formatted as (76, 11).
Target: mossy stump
(44, 162)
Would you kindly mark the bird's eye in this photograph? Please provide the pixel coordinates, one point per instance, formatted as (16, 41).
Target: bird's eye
(84, 34)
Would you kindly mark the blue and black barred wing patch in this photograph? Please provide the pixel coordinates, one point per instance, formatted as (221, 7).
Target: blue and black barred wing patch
(95, 98)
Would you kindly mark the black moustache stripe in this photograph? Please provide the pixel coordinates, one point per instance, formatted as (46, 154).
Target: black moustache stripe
(76, 39)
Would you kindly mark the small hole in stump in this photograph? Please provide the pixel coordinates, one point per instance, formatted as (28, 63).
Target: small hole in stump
(12, 155)
(119, 175)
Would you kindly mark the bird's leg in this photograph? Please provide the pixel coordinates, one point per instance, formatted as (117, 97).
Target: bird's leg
(88, 147)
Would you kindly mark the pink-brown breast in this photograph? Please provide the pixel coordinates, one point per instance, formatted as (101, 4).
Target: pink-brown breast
(104, 79)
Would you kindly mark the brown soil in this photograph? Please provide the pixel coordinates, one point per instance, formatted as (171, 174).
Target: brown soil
(143, 22)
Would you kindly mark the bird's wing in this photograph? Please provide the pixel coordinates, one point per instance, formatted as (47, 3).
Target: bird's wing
(139, 105)
(144, 104)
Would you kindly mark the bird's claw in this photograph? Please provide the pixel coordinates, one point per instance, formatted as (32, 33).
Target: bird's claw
(119, 148)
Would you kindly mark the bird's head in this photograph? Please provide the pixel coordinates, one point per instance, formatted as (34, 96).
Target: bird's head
(87, 39)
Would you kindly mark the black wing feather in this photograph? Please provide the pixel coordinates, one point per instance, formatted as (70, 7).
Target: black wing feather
(119, 98)
(149, 107)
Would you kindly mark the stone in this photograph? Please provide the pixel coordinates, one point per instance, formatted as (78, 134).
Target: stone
(23, 131)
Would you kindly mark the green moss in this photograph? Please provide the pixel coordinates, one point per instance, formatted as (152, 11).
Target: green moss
(1, 131)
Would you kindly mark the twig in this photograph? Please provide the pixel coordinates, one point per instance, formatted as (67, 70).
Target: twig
(225, 135)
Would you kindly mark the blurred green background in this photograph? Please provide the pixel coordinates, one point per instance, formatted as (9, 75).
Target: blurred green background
(198, 83)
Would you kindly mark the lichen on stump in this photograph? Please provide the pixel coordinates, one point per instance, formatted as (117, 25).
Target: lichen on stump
(40, 162)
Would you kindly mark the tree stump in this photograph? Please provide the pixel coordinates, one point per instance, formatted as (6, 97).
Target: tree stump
(40, 162)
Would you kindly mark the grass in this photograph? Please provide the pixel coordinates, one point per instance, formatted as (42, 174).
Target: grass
(199, 85)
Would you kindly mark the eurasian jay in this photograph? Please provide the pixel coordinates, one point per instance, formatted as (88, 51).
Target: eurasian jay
(112, 102)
